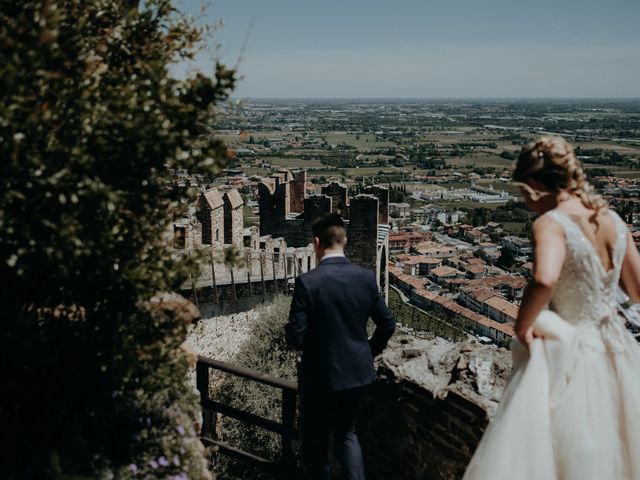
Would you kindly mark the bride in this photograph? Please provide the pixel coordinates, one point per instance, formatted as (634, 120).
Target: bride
(571, 409)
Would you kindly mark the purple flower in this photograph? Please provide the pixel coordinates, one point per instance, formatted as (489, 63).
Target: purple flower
(163, 461)
(182, 476)
(153, 464)
(176, 460)
(133, 468)
(180, 429)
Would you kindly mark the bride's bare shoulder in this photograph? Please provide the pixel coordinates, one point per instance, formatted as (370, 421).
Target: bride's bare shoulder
(546, 224)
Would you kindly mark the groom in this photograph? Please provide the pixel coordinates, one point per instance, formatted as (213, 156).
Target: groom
(328, 321)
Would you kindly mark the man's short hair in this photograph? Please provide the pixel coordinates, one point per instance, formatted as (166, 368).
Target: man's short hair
(330, 230)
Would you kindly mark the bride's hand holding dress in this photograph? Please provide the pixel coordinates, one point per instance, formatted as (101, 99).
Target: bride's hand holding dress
(550, 251)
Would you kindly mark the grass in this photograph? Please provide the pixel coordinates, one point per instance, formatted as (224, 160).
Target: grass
(365, 141)
(294, 162)
(488, 161)
(513, 228)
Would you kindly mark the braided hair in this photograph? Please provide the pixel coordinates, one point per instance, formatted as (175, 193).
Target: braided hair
(552, 162)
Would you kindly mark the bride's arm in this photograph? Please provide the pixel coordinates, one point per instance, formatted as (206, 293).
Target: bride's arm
(630, 274)
(549, 252)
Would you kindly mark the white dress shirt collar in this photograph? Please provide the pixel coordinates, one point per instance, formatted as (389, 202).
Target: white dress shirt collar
(332, 255)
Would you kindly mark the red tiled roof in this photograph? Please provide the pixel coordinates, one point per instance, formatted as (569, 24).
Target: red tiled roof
(444, 270)
(213, 198)
(503, 305)
(234, 198)
(475, 268)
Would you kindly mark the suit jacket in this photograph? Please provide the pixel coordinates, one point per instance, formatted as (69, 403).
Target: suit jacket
(328, 321)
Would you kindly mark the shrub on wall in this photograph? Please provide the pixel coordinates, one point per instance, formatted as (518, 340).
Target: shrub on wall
(91, 126)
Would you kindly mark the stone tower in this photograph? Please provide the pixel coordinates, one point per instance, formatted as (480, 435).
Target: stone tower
(339, 197)
(362, 233)
(233, 217)
(266, 205)
(315, 206)
(298, 191)
(282, 200)
(382, 194)
(209, 212)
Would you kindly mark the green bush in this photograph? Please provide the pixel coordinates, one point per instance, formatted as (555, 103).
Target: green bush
(91, 126)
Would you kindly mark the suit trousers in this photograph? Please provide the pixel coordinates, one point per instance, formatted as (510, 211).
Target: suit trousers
(323, 413)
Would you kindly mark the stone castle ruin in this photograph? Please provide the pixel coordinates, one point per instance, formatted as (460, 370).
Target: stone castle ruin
(215, 223)
(286, 212)
(281, 249)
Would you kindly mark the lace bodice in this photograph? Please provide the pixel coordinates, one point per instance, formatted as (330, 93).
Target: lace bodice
(585, 293)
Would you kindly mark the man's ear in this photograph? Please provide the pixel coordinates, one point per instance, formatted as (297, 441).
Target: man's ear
(316, 242)
(344, 244)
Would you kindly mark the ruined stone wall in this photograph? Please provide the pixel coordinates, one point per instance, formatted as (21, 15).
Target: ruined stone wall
(425, 415)
(251, 238)
(339, 197)
(282, 202)
(315, 206)
(194, 235)
(298, 191)
(296, 231)
(187, 235)
(362, 231)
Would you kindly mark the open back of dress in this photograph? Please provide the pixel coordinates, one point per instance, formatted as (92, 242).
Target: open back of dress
(571, 409)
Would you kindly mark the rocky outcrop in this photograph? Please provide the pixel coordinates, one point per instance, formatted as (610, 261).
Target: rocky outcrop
(424, 417)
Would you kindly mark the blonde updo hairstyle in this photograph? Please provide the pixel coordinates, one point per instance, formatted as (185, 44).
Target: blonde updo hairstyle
(553, 164)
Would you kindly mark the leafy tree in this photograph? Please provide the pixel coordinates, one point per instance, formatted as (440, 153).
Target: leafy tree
(506, 260)
(509, 155)
(91, 126)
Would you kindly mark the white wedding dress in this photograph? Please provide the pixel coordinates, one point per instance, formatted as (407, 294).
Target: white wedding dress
(571, 409)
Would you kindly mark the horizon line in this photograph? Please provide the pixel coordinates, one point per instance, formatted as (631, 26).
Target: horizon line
(442, 98)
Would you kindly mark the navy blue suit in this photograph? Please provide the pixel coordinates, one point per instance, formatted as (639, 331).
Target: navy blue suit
(328, 321)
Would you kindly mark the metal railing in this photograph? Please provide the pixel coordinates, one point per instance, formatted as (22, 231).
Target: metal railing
(286, 428)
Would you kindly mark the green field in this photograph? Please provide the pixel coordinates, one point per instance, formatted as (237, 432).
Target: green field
(294, 162)
(480, 161)
(513, 228)
(363, 141)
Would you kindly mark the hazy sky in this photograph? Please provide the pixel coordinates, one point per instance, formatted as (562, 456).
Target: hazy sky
(429, 49)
